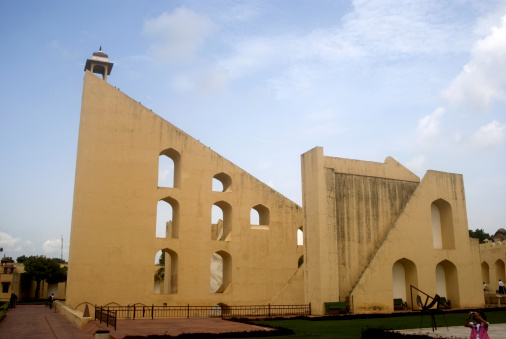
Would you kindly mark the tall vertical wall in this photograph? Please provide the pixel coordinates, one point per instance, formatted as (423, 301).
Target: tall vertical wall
(361, 218)
(113, 243)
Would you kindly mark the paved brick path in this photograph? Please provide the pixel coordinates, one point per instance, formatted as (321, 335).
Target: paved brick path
(40, 322)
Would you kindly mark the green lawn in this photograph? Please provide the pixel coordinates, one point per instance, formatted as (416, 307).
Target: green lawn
(352, 328)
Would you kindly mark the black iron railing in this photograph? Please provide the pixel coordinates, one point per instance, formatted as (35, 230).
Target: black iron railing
(220, 311)
(105, 315)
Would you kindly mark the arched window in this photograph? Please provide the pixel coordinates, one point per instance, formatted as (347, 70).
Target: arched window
(221, 272)
(166, 272)
(442, 225)
(167, 218)
(499, 271)
(219, 310)
(485, 273)
(300, 236)
(221, 221)
(169, 168)
(447, 282)
(260, 216)
(300, 261)
(222, 183)
(404, 274)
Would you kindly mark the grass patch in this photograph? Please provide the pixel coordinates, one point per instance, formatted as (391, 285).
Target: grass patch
(3, 309)
(348, 327)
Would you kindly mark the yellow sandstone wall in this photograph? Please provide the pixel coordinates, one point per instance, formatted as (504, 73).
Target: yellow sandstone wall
(493, 259)
(362, 218)
(113, 243)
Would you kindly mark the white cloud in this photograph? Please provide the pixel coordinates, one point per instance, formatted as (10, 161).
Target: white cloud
(11, 244)
(52, 246)
(488, 136)
(483, 78)
(428, 126)
(177, 36)
(416, 165)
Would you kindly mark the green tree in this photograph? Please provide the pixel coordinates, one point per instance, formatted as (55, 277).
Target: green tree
(480, 234)
(21, 259)
(40, 268)
(160, 273)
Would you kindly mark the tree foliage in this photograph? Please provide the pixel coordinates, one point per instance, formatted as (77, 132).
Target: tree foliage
(480, 234)
(9, 259)
(21, 259)
(40, 268)
(160, 273)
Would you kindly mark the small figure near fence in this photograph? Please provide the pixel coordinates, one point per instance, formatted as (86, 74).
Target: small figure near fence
(501, 287)
(51, 299)
(479, 325)
(13, 300)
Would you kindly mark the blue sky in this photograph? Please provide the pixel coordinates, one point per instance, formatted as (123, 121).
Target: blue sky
(260, 82)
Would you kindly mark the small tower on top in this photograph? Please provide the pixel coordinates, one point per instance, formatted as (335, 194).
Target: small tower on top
(99, 63)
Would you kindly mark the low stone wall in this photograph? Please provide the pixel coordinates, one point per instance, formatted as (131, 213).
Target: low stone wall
(74, 316)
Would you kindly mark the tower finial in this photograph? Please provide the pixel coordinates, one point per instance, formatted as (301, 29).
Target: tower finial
(100, 49)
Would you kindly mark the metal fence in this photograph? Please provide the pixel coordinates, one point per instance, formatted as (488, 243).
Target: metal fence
(107, 316)
(219, 311)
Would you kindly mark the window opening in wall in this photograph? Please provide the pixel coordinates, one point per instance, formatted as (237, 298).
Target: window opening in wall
(166, 276)
(500, 270)
(404, 274)
(221, 221)
(442, 225)
(221, 272)
(222, 183)
(300, 237)
(254, 217)
(217, 187)
(447, 283)
(260, 217)
(169, 168)
(5, 287)
(219, 310)
(167, 215)
(301, 261)
(485, 273)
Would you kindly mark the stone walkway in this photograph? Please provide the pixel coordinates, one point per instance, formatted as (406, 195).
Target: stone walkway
(40, 322)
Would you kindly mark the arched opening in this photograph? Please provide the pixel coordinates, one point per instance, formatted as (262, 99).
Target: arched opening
(222, 183)
(300, 236)
(447, 282)
(167, 218)
(99, 69)
(260, 216)
(221, 272)
(221, 221)
(219, 310)
(485, 273)
(499, 271)
(166, 268)
(169, 168)
(404, 274)
(442, 225)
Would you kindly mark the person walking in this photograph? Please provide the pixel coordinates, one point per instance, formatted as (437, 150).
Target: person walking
(479, 325)
(51, 299)
(501, 287)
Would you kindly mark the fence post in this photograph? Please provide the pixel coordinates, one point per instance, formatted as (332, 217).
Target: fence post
(152, 311)
(269, 309)
(309, 308)
(133, 317)
(188, 311)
